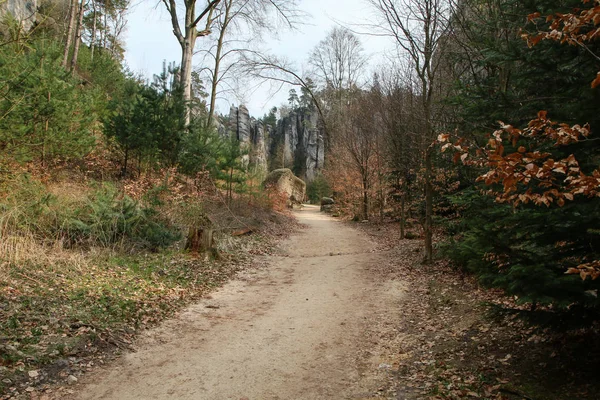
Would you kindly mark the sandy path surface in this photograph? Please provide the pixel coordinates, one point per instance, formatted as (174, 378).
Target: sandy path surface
(301, 328)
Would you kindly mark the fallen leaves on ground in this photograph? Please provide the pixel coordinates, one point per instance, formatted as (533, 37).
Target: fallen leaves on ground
(453, 339)
(58, 321)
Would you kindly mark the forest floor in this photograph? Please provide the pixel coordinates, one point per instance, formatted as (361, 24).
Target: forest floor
(450, 338)
(345, 311)
(64, 311)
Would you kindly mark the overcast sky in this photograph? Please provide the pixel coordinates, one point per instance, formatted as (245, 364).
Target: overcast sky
(150, 40)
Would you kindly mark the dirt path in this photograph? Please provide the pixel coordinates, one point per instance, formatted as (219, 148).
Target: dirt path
(301, 328)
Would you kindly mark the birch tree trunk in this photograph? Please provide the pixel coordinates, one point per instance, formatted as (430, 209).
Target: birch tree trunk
(187, 52)
(77, 39)
(70, 28)
(187, 39)
(105, 29)
(94, 28)
(218, 59)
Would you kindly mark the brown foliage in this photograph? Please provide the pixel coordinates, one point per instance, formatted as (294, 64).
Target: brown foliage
(529, 174)
(575, 29)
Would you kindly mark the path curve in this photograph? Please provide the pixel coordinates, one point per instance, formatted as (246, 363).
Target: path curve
(296, 329)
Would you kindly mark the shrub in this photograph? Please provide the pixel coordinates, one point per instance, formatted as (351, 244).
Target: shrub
(103, 217)
(526, 251)
(108, 217)
(317, 189)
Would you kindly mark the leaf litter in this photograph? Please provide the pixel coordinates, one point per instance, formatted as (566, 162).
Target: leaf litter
(450, 338)
(61, 319)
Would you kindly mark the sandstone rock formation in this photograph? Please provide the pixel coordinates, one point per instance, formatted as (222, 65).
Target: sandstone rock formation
(252, 135)
(327, 204)
(24, 11)
(301, 139)
(284, 181)
(296, 142)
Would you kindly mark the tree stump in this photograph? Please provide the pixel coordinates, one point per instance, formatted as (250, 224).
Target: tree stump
(200, 240)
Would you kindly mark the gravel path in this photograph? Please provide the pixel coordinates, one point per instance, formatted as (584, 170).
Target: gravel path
(301, 328)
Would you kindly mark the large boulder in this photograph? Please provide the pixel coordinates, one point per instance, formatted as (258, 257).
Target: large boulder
(327, 205)
(284, 181)
(328, 208)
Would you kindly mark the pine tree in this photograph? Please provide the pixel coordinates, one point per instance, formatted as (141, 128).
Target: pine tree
(231, 168)
(526, 249)
(46, 115)
(293, 99)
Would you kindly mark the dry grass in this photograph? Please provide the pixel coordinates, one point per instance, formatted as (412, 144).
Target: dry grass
(69, 192)
(20, 238)
(31, 255)
(15, 249)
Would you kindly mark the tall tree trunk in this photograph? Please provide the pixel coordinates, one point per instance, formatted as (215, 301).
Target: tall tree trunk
(381, 203)
(46, 127)
(230, 189)
(105, 28)
(365, 198)
(187, 40)
(428, 173)
(402, 216)
(94, 28)
(125, 161)
(77, 39)
(428, 207)
(187, 51)
(215, 74)
(70, 29)
(427, 85)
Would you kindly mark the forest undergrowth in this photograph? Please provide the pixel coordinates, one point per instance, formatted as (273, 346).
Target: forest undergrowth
(86, 265)
(458, 340)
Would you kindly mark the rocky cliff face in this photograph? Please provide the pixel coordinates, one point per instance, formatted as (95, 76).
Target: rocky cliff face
(301, 140)
(253, 136)
(296, 142)
(24, 11)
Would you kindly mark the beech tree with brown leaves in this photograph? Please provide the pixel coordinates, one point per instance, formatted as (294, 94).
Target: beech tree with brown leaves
(547, 171)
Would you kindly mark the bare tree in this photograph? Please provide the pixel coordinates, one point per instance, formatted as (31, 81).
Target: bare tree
(239, 25)
(339, 59)
(270, 68)
(119, 22)
(98, 23)
(94, 30)
(359, 138)
(418, 27)
(402, 125)
(77, 39)
(187, 35)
